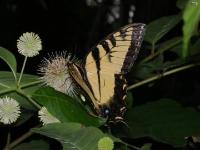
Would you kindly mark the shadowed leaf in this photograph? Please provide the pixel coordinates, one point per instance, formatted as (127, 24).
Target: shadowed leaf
(164, 120)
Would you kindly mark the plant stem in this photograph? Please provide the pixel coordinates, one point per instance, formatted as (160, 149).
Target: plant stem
(159, 76)
(129, 145)
(22, 86)
(161, 50)
(7, 147)
(20, 77)
(152, 49)
(31, 84)
(1, 84)
(137, 148)
(20, 139)
(19, 91)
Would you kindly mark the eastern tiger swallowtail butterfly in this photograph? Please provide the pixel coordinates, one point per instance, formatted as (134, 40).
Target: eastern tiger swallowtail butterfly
(101, 79)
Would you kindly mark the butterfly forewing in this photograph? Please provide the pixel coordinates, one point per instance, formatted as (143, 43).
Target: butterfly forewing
(113, 55)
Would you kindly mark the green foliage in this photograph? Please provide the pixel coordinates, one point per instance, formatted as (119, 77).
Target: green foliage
(195, 48)
(158, 28)
(8, 87)
(191, 18)
(10, 59)
(72, 135)
(181, 3)
(65, 108)
(146, 147)
(33, 145)
(129, 100)
(164, 120)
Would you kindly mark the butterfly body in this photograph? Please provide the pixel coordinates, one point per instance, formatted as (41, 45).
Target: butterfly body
(101, 79)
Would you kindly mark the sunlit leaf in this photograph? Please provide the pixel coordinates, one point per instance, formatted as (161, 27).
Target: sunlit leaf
(10, 59)
(191, 18)
(30, 83)
(72, 135)
(65, 108)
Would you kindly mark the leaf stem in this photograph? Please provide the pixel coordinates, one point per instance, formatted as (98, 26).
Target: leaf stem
(7, 147)
(19, 91)
(156, 77)
(152, 49)
(132, 146)
(7, 91)
(22, 86)
(129, 145)
(31, 84)
(1, 84)
(20, 139)
(161, 50)
(20, 77)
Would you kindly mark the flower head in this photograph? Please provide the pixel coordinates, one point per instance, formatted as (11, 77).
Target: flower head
(9, 110)
(46, 117)
(105, 143)
(29, 44)
(55, 73)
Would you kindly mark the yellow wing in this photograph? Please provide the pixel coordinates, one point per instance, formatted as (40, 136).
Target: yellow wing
(113, 55)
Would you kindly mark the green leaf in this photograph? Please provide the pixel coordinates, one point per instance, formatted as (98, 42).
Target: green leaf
(72, 135)
(33, 145)
(130, 100)
(146, 147)
(10, 59)
(29, 84)
(195, 48)
(181, 3)
(158, 28)
(169, 44)
(148, 69)
(191, 18)
(65, 108)
(164, 120)
(177, 49)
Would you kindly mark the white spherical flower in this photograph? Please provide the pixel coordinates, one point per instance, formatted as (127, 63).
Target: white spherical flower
(29, 44)
(105, 143)
(9, 110)
(55, 73)
(46, 117)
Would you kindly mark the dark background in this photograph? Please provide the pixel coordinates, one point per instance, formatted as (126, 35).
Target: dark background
(72, 25)
(75, 26)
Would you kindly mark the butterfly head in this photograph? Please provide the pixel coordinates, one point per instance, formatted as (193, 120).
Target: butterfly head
(105, 112)
(113, 113)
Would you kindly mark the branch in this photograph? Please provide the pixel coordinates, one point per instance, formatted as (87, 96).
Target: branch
(156, 77)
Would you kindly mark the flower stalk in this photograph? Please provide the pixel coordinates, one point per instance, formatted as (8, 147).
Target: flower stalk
(22, 71)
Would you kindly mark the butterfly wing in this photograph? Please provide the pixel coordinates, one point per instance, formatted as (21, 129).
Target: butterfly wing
(113, 55)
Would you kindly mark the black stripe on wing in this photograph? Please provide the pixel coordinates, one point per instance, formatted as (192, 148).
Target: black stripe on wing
(137, 31)
(112, 40)
(96, 57)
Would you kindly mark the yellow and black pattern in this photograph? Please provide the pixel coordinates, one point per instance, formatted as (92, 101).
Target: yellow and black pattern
(113, 56)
